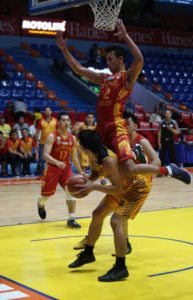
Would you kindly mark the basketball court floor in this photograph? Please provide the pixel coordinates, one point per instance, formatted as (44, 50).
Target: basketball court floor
(34, 254)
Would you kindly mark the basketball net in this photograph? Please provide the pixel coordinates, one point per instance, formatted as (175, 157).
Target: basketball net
(106, 13)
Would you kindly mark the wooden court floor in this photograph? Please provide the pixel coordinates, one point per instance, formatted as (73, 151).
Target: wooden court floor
(34, 254)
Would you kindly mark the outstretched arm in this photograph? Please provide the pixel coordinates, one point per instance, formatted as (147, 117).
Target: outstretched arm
(137, 64)
(74, 64)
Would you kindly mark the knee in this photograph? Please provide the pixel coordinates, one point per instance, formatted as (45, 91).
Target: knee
(97, 215)
(114, 223)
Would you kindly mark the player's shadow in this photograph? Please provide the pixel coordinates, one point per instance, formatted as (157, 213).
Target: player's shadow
(83, 271)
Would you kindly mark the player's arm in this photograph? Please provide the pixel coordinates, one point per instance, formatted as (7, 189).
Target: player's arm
(111, 168)
(159, 138)
(152, 156)
(74, 157)
(47, 150)
(137, 64)
(74, 64)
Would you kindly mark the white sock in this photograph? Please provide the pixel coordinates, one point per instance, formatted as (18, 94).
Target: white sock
(169, 171)
(72, 216)
(42, 201)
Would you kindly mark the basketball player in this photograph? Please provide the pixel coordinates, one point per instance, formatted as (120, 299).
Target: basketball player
(114, 91)
(44, 127)
(59, 149)
(124, 197)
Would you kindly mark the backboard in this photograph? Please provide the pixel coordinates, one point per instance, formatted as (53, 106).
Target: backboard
(38, 7)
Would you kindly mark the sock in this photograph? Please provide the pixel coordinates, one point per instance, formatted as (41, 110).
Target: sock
(42, 201)
(120, 263)
(72, 216)
(163, 171)
(88, 249)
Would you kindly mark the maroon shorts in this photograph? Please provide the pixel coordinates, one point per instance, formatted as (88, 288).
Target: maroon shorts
(115, 137)
(52, 176)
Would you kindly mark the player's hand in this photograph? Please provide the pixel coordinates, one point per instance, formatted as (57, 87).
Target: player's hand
(121, 30)
(159, 146)
(62, 43)
(61, 165)
(85, 188)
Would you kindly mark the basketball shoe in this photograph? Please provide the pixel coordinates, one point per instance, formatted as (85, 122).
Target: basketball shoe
(71, 223)
(80, 245)
(42, 212)
(83, 258)
(140, 156)
(180, 174)
(114, 274)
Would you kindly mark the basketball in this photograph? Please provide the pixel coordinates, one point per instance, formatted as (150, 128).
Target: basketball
(72, 182)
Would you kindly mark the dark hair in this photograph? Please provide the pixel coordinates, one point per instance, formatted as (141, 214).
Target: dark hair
(62, 114)
(119, 51)
(13, 131)
(1, 132)
(36, 109)
(128, 114)
(90, 139)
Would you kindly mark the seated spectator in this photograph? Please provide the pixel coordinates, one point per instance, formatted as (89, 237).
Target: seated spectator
(155, 116)
(14, 156)
(28, 148)
(20, 125)
(4, 127)
(3, 162)
(19, 108)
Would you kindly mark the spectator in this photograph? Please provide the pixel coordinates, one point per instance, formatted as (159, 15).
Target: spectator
(4, 127)
(162, 108)
(155, 116)
(15, 157)
(19, 108)
(3, 74)
(27, 145)
(3, 162)
(45, 126)
(94, 56)
(20, 125)
(168, 129)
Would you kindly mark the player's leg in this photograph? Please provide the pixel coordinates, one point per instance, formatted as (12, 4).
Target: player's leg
(70, 200)
(71, 204)
(50, 180)
(121, 145)
(106, 206)
(119, 270)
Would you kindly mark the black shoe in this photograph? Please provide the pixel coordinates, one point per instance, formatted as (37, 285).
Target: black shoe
(140, 156)
(82, 259)
(180, 174)
(128, 250)
(114, 275)
(73, 224)
(42, 212)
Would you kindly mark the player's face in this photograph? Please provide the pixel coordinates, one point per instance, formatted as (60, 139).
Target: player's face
(64, 122)
(90, 119)
(113, 62)
(48, 112)
(131, 126)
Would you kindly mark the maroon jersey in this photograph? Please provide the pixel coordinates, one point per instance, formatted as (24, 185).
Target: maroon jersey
(112, 97)
(137, 140)
(62, 147)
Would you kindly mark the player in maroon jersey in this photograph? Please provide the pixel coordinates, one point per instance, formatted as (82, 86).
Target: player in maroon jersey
(114, 91)
(59, 150)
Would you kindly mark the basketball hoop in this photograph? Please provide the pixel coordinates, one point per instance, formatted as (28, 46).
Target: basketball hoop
(106, 13)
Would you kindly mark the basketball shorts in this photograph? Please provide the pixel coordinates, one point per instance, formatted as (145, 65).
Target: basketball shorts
(135, 196)
(116, 138)
(52, 176)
